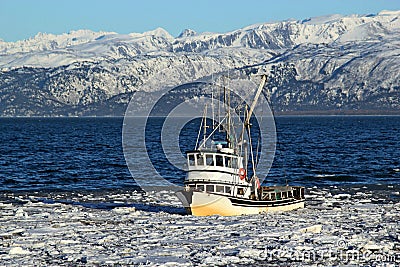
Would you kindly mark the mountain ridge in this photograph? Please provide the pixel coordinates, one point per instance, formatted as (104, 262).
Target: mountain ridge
(336, 62)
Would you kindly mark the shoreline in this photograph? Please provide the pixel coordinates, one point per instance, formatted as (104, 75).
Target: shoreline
(316, 113)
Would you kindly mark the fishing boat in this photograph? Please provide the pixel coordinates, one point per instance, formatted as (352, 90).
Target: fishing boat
(220, 179)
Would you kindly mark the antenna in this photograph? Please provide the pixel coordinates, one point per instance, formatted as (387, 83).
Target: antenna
(205, 126)
(212, 100)
(219, 106)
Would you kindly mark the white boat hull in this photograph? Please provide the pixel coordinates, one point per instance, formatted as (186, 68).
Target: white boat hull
(205, 204)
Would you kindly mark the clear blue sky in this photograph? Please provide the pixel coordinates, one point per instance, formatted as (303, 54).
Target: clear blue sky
(21, 19)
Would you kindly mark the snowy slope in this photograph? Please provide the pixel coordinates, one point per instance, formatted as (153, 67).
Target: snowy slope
(325, 63)
(288, 34)
(48, 50)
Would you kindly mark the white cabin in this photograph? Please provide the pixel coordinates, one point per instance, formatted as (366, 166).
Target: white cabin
(217, 171)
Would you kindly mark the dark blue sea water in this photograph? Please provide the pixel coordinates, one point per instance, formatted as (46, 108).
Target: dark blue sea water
(72, 154)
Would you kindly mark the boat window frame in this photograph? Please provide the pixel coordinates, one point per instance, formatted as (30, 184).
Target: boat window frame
(192, 161)
(228, 189)
(220, 187)
(228, 161)
(199, 159)
(200, 187)
(209, 185)
(217, 157)
(209, 156)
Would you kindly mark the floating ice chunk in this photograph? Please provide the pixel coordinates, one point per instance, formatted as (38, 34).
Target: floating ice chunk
(124, 210)
(38, 245)
(342, 196)
(18, 251)
(17, 231)
(3, 205)
(21, 213)
(362, 194)
(221, 261)
(312, 192)
(316, 229)
(108, 239)
(68, 241)
(68, 250)
(372, 247)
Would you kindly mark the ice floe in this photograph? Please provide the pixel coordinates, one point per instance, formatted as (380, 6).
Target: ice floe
(353, 226)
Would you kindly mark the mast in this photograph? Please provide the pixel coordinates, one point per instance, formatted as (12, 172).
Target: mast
(205, 126)
(212, 108)
(227, 103)
(212, 101)
(219, 106)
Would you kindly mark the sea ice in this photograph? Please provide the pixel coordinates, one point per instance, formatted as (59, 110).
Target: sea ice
(91, 231)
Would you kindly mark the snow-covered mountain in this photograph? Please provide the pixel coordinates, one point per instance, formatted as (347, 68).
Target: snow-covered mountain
(335, 63)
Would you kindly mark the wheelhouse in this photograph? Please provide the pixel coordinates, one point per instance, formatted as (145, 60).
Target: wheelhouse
(201, 159)
(216, 171)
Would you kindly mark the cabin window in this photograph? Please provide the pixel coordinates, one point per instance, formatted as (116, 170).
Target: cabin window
(240, 191)
(200, 187)
(210, 188)
(209, 160)
(200, 160)
(191, 160)
(227, 189)
(234, 163)
(290, 194)
(284, 194)
(219, 160)
(228, 162)
(296, 193)
(273, 197)
(219, 189)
